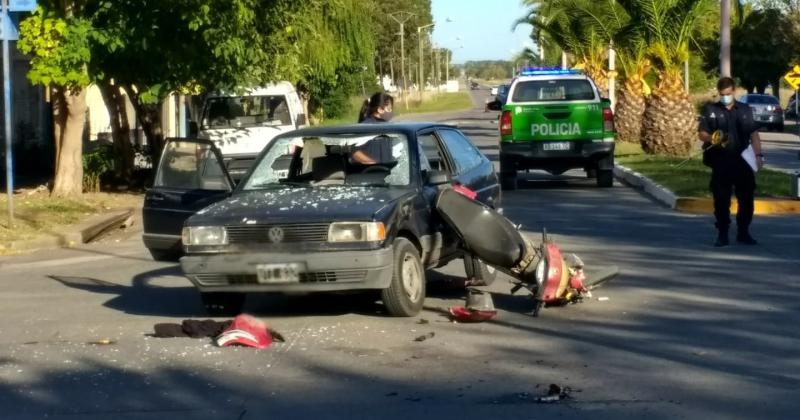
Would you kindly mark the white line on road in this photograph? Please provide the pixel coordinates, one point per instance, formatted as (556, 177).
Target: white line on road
(64, 261)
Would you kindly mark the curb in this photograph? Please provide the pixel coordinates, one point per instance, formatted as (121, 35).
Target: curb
(73, 235)
(763, 206)
(647, 185)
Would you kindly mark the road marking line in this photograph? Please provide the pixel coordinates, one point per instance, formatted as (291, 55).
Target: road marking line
(64, 261)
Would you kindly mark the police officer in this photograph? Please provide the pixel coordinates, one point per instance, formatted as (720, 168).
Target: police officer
(730, 172)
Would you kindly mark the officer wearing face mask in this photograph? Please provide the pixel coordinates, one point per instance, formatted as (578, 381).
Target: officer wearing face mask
(735, 130)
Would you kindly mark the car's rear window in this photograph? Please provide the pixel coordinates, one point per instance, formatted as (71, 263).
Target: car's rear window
(553, 90)
(762, 99)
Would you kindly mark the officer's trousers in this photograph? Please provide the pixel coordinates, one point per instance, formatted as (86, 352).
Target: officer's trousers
(728, 176)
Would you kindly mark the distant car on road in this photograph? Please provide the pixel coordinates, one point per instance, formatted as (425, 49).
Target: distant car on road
(323, 209)
(473, 85)
(767, 110)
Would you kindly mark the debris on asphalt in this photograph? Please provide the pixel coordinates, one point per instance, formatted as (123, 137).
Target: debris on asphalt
(103, 342)
(462, 314)
(602, 298)
(554, 393)
(246, 330)
(191, 328)
(425, 337)
(423, 321)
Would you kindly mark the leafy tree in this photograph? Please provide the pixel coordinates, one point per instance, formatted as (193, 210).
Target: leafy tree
(761, 49)
(57, 37)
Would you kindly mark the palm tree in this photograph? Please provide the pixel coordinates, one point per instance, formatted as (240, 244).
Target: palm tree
(568, 24)
(666, 28)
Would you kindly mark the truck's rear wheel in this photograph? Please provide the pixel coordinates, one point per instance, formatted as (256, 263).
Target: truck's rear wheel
(605, 178)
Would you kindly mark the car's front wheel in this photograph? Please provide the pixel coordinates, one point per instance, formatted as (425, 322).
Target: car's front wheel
(223, 303)
(406, 293)
(605, 178)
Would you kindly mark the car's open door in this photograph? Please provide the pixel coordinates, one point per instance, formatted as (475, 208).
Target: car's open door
(190, 176)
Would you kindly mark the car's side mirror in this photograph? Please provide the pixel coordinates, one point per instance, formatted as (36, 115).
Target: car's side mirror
(301, 120)
(495, 105)
(438, 177)
(194, 130)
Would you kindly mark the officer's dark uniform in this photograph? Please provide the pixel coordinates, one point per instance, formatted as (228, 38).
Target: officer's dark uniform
(729, 171)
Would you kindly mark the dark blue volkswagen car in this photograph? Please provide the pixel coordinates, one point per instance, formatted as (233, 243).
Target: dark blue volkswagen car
(321, 210)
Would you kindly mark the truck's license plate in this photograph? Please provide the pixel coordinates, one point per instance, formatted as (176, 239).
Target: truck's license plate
(279, 273)
(560, 145)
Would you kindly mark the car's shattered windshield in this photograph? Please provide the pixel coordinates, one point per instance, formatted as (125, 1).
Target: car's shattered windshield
(358, 160)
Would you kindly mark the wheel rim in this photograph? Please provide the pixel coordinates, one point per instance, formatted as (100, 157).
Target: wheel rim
(412, 279)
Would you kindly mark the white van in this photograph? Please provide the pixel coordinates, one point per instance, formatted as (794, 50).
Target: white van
(242, 126)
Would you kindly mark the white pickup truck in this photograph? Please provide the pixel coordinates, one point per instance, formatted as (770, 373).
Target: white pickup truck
(242, 126)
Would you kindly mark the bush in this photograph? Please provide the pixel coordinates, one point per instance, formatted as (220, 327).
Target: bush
(96, 164)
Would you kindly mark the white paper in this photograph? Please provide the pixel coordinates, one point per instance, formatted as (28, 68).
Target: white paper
(749, 156)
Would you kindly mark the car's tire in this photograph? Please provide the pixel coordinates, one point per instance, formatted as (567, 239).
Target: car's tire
(162, 255)
(478, 272)
(223, 303)
(591, 173)
(780, 127)
(605, 178)
(406, 293)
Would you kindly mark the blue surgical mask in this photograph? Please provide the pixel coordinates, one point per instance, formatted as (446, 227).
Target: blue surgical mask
(726, 99)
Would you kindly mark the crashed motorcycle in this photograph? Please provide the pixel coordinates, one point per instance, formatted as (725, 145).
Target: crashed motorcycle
(552, 277)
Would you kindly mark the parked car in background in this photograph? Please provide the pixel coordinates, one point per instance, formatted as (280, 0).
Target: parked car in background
(242, 125)
(323, 209)
(791, 109)
(502, 93)
(767, 111)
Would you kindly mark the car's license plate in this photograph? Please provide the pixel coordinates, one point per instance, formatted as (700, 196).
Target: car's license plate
(279, 273)
(560, 145)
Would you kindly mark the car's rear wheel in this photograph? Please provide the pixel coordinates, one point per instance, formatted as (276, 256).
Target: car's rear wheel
(605, 178)
(478, 272)
(223, 303)
(406, 293)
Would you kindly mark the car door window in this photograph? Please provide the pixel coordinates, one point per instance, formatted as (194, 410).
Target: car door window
(465, 155)
(431, 152)
(192, 166)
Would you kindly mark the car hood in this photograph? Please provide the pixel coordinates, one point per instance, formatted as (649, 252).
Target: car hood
(244, 140)
(300, 205)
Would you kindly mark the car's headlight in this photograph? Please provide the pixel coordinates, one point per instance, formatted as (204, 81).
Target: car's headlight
(356, 232)
(204, 235)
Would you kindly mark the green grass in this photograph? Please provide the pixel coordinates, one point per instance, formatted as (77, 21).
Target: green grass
(444, 102)
(691, 179)
(38, 214)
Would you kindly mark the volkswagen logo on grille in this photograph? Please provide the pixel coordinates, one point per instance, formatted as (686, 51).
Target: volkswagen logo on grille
(275, 234)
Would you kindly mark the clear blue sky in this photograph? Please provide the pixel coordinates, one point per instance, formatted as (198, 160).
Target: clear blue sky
(483, 26)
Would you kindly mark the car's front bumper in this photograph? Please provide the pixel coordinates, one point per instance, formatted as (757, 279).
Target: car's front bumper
(532, 154)
(161, 242)
(325, 271)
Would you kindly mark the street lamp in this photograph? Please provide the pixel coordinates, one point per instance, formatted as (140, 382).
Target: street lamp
(422, 59)
(401, 20)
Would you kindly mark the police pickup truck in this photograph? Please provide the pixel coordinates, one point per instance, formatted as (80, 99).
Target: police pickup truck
(555, 120)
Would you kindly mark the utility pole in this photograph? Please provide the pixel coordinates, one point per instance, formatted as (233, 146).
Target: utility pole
(421, 60)
(401, 20)
(7, 113)
(447, 54)
(725, 38)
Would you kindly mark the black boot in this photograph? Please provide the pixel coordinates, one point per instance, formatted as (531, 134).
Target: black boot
(722, 238)
(743, 237)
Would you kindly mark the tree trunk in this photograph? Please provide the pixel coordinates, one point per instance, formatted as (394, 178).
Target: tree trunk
(725, 38)
(630, 110)
(69, 160)
(120, 131)
(670, 121)
(149, 117)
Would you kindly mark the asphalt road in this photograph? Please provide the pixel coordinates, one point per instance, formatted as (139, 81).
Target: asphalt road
(687, 331)
(782, 150)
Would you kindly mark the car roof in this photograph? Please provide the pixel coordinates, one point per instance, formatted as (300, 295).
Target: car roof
(760, 94)
(551, 77)
(403, 127)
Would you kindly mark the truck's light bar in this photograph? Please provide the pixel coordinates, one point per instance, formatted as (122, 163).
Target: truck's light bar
(545, 71)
